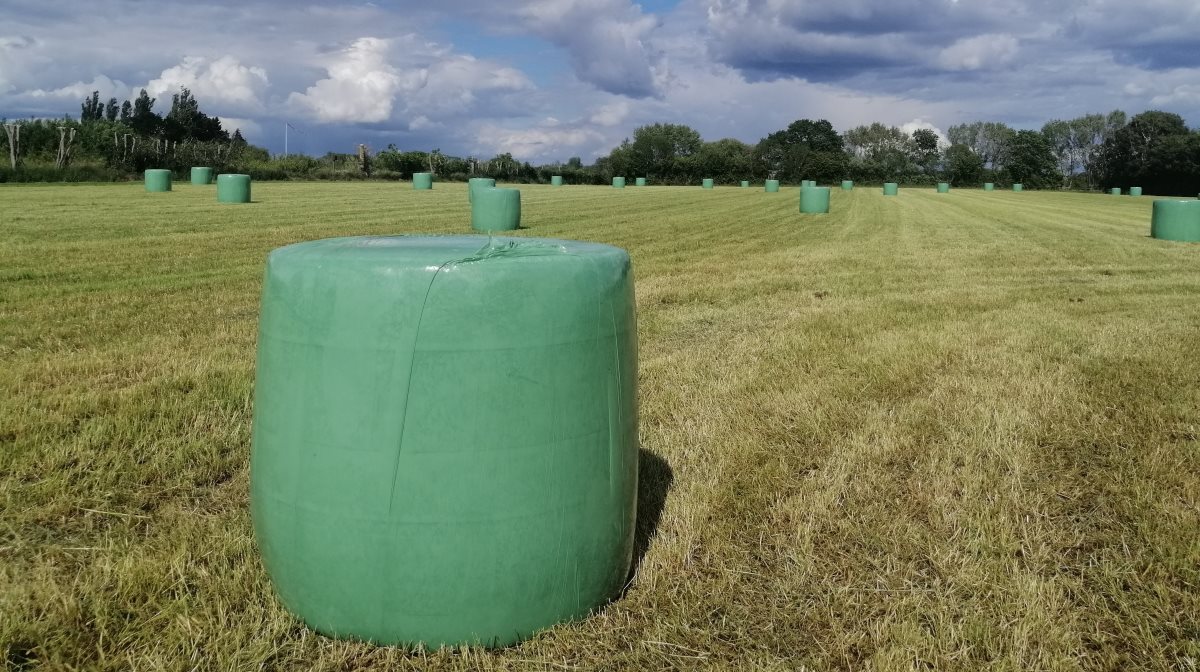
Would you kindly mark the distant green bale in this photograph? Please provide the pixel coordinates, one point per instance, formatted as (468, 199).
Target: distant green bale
(891, 189)
(202, 175)
(707, 183)
(745, 184)
(807, 183)
(847, 185)
(422, 181)
(158, 180)
(814, 200)
(556, 180)
(1135, 191)
(618, 183)
(989, 186)
(233, 188)
(1018, 187)
(1115, 191)
(1176, 220)
(943, 187)
(475, 184)
(496, 209)
(771, 186)
(639, 182)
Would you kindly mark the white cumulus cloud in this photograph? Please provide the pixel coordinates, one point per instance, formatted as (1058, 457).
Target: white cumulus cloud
(224, 82)
(375, 79)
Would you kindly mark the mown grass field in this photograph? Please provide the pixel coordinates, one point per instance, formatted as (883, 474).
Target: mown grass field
(930, 432)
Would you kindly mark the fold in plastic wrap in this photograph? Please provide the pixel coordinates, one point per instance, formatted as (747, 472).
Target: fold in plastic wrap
(445, 434)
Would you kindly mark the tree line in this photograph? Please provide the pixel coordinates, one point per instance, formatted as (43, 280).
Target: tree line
(1155, 150)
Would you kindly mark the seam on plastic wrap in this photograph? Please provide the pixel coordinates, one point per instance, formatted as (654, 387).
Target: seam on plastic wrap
(512, 248)
(408, 392)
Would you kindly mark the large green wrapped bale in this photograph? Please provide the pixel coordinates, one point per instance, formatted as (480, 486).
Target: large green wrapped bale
(618, 183)
(496, 209)
(891, 189)
(989, 186)
(445, 435)
(1176, 220)
(943, 187)
(847, 185)
(1018, 187)
(814, 200)
(201, 175)
(422, 181)
(476, 183)
(745, 184)
(233, 188)
(556, 180)
(771, 186)
(707, 183)
(157, 180)
(1115, 191)
(639, 182)
(1135, 191)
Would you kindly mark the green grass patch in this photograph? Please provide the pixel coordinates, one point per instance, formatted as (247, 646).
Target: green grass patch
(951, 432)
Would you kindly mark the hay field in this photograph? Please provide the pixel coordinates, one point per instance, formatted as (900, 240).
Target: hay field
(929, 432)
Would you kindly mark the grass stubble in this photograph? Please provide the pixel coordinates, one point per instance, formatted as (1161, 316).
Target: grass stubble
(929, 432)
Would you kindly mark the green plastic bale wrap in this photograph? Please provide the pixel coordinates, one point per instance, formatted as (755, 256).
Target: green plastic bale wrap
(157, 180)
(745, 184)
(556, 180)
(814, 200)
(771, 186)
(707, 183)
(989, 186)
(202, 175)
(1135, 191)
(476, 183)
(891, 189)
(807, 183)
(422, 181)
(233, 188)
(618, 183)
(1115, 191)
(847, 185)
(639, 182)
(1176, 220)
(445, 435)
(496, 209)
(943, 187)
(1018, 187)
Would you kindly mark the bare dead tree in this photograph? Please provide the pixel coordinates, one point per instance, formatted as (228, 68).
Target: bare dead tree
(14, 143)
(66, 138)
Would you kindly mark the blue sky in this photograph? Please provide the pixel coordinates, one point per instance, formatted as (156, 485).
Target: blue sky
(550, 79)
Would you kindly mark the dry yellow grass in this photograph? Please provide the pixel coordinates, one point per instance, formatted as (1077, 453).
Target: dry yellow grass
(931, 432)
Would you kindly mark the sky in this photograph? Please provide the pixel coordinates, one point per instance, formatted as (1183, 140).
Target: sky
(546, 80)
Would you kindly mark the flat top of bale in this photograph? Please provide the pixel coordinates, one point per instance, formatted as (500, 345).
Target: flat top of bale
(438, 250)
